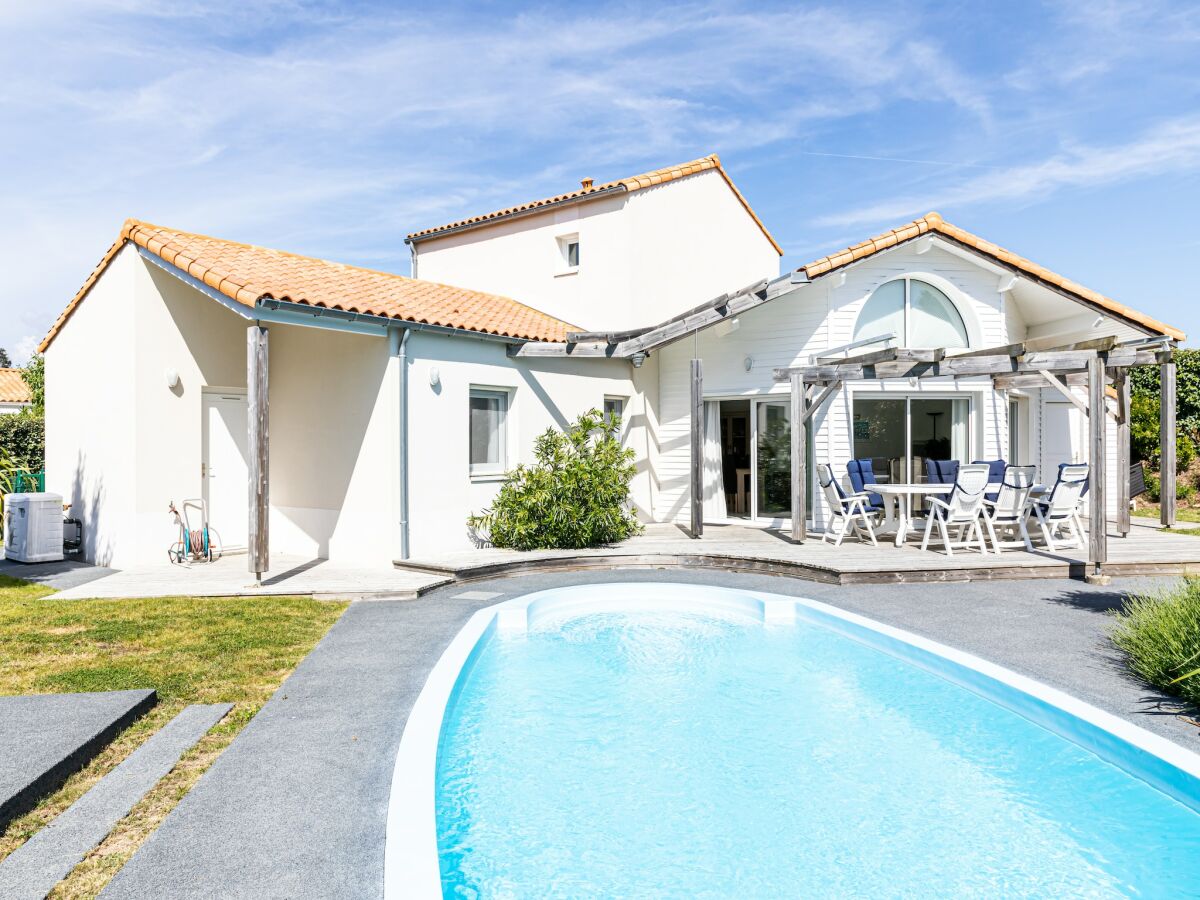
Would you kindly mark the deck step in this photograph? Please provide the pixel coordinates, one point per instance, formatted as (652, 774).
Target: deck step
(46, 738)
(34, 868)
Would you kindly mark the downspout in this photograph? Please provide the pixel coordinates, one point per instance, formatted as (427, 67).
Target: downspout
(398, 341)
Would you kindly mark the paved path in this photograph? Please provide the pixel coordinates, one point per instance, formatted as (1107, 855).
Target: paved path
(296, 807)
(228, 577)
(32, 870)
(46, 737)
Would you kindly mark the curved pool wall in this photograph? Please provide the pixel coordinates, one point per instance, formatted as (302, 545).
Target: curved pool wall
(412, 864)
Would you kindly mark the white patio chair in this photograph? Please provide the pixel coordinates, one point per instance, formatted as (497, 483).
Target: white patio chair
(849, 510)
(1061, 509)
(1010, 509)
(962, 508)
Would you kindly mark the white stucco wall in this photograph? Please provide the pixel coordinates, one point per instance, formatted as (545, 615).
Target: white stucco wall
(121, 445)
(644, 256)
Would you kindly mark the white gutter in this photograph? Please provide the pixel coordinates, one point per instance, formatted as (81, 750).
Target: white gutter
(398, 347)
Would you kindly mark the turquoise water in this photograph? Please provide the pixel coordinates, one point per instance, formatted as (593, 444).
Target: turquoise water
(666, 754)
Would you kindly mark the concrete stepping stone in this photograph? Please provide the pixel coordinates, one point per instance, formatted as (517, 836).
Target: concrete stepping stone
(35, 867)
(47, 737)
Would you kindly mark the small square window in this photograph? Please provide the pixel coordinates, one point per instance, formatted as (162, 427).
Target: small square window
(568, 254)
(488, 418)
(614, 406)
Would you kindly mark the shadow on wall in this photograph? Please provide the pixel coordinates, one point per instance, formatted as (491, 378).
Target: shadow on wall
(86, 506)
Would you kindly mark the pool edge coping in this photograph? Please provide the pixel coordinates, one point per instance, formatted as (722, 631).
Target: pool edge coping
(411, 858)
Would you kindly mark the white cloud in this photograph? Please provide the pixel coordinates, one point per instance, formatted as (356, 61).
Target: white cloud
(1171, 146)
(23, 351)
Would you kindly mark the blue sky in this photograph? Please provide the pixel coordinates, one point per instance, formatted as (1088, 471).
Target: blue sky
(1068, 132)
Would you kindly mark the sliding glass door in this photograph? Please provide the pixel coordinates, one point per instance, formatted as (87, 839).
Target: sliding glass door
(899, 433)
(756, 474)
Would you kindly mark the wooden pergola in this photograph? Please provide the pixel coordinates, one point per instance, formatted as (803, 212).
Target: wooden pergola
(1096, 364)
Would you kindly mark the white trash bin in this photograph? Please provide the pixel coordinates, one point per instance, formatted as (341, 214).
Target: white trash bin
(33, 527)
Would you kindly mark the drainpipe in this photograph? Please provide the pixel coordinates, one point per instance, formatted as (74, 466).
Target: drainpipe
(398, 346)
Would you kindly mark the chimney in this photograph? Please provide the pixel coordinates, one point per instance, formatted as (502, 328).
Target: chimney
(587, 184)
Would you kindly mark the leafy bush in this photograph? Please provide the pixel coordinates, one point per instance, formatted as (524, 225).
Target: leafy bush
(1153, 487)
(575, 494)
(1143, 434)
(1160, 637)
(23, 441)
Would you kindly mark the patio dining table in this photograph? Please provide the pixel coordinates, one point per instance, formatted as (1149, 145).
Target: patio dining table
(897, 503)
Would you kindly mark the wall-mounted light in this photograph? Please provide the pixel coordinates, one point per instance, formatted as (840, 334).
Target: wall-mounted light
(171, 376)
(748, 363)
(637, 359)
(435, 377)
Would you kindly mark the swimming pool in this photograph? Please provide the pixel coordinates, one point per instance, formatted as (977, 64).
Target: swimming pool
(672, 740)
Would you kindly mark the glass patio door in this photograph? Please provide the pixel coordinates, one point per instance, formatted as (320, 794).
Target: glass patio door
(899, 433)
(773, 460)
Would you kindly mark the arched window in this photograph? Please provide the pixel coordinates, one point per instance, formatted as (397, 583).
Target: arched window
(920, 316)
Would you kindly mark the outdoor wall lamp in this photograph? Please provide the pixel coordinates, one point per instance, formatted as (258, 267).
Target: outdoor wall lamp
(171, 376)
(435, 377)
(748, 363)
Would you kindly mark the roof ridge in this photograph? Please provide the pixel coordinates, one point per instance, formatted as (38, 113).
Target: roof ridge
(629, 184)
(933, 222)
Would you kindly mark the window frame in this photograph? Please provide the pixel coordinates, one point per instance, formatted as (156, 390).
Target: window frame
(497, 469)
(905, 339)
(565, 242)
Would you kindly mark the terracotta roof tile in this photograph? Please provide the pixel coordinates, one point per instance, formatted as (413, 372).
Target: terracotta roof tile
(628, 185)
(247, 274)
(934, 223)
(13, 388)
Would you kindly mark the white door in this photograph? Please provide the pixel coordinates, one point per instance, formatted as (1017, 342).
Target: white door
(225, 467)
(1060, 425)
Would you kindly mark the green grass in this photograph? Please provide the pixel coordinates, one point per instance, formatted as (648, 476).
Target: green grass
(1160, 637)
(189, 649)
(1182, 513)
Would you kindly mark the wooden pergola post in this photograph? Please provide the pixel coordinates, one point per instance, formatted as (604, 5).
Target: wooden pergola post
(799, 458)
(697, 476)
(1121, 385)
(258, 440)
(1166, 437)
(1097, 457)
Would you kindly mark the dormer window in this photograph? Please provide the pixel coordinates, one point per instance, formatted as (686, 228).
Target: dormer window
(917, 313)
(568, 251)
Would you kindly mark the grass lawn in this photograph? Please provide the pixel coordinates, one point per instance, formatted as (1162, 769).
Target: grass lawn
(191, 650)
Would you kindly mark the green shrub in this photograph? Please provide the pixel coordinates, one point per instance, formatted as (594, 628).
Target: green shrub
(1153, 487)
(575, 494)
(1143, 434)
(23, 440)
(1160, 637)
(1184, 490)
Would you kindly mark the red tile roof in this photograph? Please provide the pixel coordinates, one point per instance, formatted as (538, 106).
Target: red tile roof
(13, 388)
(591, 191)
(247, 274)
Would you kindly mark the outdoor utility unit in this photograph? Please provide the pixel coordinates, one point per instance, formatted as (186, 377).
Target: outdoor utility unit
(33, 527)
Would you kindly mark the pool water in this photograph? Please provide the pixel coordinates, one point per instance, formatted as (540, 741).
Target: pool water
(670, 754)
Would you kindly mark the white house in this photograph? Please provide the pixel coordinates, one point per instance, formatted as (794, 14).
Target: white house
(371, 413)
(14, 392)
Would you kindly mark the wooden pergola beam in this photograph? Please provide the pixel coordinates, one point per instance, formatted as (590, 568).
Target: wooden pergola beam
(799, 458)
(697, 448)
(258, 439)
(1097, 463)
(1121, 382)
(1166, 437)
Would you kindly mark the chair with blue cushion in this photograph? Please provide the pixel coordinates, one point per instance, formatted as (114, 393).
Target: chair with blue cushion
(941, 471)
(996, 469)
(862, 473)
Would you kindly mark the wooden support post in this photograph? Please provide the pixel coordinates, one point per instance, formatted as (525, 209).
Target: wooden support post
(1166, 437)
(1097, 457)
(258, 442)
(697, 503)
(1121, 384)
(799, 458)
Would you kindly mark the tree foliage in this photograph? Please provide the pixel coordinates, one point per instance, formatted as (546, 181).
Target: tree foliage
(35, 376)
(1146, 390)
(5, 362)
(575, 494)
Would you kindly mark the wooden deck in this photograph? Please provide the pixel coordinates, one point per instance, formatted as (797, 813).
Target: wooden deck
(1147, 550)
